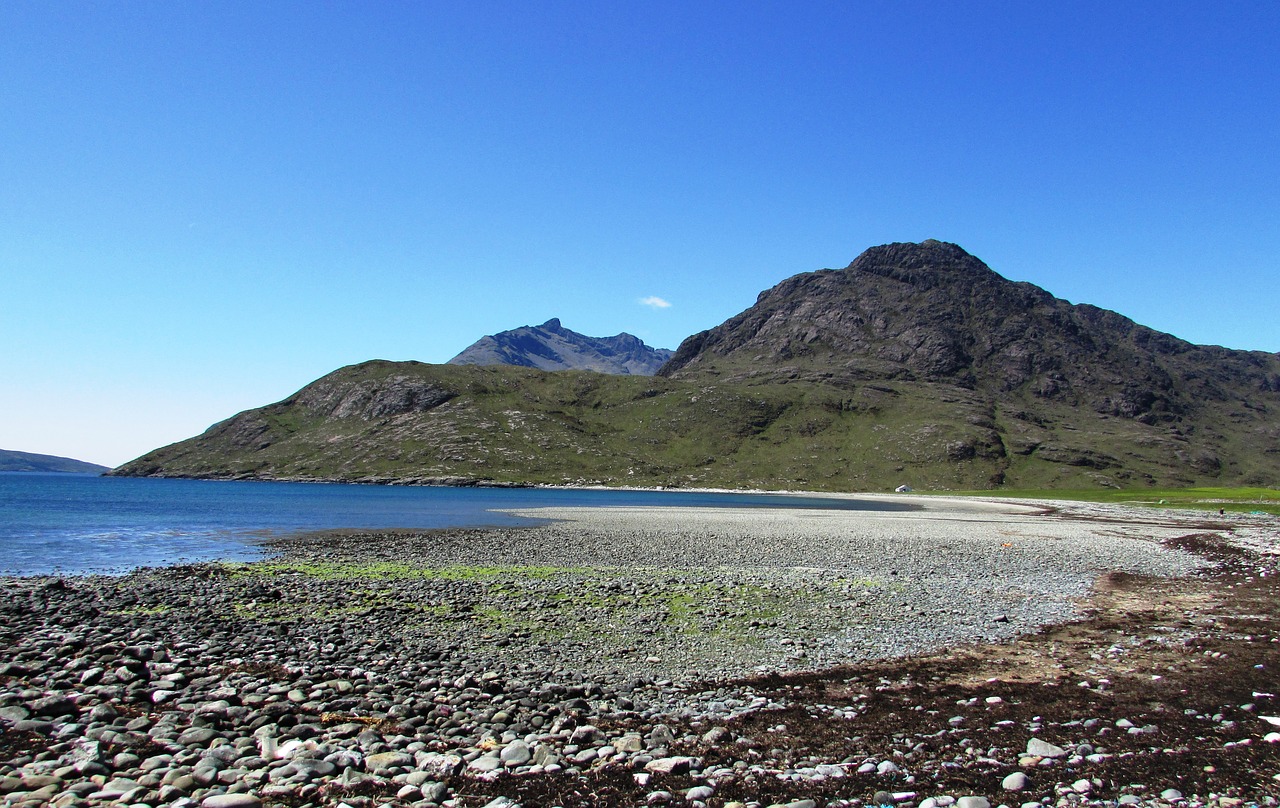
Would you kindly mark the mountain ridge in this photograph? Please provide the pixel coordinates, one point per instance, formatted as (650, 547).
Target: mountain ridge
(985, 333)
(551, 346)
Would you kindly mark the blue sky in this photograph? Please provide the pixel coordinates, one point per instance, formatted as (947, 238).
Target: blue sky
(207, 205)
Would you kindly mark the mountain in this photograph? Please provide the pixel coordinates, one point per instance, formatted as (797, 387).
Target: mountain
(551, 346)
(26, 461)
(1073, 383)
(915, 364)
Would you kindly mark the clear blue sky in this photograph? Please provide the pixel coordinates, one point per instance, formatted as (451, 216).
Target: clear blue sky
(204, 206)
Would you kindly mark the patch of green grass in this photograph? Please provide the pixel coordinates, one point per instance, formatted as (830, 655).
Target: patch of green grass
(142, 610)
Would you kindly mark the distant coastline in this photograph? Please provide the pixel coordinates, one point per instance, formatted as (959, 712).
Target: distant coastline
(11, 460)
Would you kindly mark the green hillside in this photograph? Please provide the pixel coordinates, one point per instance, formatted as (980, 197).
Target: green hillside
(416, 423)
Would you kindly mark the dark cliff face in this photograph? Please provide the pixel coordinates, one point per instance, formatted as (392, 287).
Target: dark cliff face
(932, 312)
(551, 346)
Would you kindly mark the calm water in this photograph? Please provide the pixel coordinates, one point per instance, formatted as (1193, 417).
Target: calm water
(78, 523)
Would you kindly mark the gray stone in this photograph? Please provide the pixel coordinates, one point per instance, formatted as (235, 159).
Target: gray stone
(669, 765)
(585, 734)
(1014, 782)
(487, 762)
(382, 761)
(53, 706)
(230, 801)
(699, 793)
(1041, 748)
(408, 792)
(516, 753)
(118, 787)
(311, 769)
(435, 792)
(36, 725)
(973, 802)
(205, 775)
(197, 735)
(630, 743)
(439, 766)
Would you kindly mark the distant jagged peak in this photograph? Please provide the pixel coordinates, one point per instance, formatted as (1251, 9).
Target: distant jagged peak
(551, 346)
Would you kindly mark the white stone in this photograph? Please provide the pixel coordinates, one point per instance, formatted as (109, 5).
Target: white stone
(973, 802)
(1044, 749)
(1014, 782)
(439, 766)
(669, 765)
(230, 801)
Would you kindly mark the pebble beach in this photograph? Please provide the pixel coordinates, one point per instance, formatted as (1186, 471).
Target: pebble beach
(645, 656)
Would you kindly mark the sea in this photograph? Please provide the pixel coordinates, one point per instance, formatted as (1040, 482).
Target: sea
(76, 524)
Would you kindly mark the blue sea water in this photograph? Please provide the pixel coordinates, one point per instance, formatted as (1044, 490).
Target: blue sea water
(83, 523)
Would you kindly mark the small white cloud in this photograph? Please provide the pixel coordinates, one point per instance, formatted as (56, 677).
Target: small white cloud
(653, 301)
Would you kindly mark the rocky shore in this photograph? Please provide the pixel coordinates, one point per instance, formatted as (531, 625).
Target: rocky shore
(970, 654)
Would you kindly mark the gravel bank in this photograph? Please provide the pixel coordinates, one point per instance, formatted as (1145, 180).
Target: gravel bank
(603, 649)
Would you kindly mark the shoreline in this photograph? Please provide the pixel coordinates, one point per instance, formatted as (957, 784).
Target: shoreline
(635, 653)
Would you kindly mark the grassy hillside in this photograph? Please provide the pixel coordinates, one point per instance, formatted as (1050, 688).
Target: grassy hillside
(414, 423)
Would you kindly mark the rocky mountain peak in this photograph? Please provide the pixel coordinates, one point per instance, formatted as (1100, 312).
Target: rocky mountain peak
(551, 346)
(932, 312)
(927, 264)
